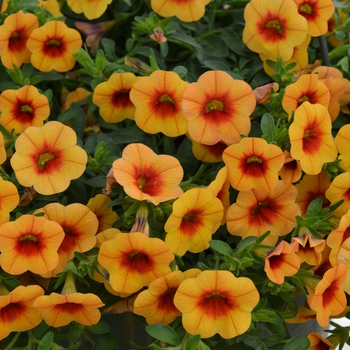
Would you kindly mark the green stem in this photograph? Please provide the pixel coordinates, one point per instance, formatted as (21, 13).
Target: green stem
(324, 51)
(88, 337)
(13, 341)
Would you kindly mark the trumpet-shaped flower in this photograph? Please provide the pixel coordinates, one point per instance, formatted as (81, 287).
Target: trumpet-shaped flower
(217, 108)
(342, 141)
(343, 257)
(317, 342)
(195, 217)
(216, 302)
(91, 9)
(309, 249)
(30, 243)
(146, 175)
(52, 47)
(134, 260)
(51, 6)
(253, 163)
(48, 158)
(23, 108)
(3, 155)
(291, 170)
(9, 199)
(208, 153)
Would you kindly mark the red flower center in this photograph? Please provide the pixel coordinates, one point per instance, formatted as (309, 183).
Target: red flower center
(275, 25)
(215, 104)
(12, 312)
(306, 8)
(166, 301)
(138, 262)
(44, 158)
(121, 99)
(215, 304)
(17, 42)
(312, 139)
(54, 47)
(191, 222)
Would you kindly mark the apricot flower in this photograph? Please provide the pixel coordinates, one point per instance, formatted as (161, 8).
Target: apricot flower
(146, 175)
(342, 141)
(51, 6)
(217, 108)
(3, 155)
(216, 302)
(309, 249)
(9, 199)
(317, 342)
(291, 170)
(91, 9)
(208, 153)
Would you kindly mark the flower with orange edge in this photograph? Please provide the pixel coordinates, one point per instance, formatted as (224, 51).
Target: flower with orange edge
(216, 302)
(113, 98)
(134, 260)
(14, 34)
(217, 108)
(291, 170)
(48, 158)
(30, 243)
(333, 25)
(282, 261)
(4, 6)
(17, 313)
(309, 249)
(253, 163)
(185, 11)
(3, 155)
(312, 187)
(79, 224)
(23, 108)
(317, 342)
(343, 257)
(156, 303)
(146, 175)
(304, 314)
(311, 138)
(329, 298)
(339, 190)
(52, 47)
(157, 99)
(208, 153)
(90, 9)
(51, 6)
(9, 199)
(262, 93)
(106, 235)
(99, 205)
(342, 141)
(195, 217)
(273, 28)
(256, 212)
(317, 13)
(307, 88)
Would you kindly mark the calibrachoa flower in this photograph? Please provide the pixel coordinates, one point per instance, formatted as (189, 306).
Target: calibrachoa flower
(14, 34)
(282, 261)
(256, 212)
(217, 108)
(90, 9)
(3, 155)
(52, 47)
(291, 170)
(9, 199)
(23, 108)
(146, 175)
(106, 235)
(30, 243)
(216, 302)
(311, 138)
(329, 298)
(185, 11)
(317, 13)
(317, 342)
(48, 158)
(156, 303)
(343, 257)
(17, 313)
(134, 260)
(253, 163)
(157, 99)
(208, 153)
(195, 217)
(342, 141)
(273, 28)
(51, 6)
(309, 249)
(99, 205)
(113, 99)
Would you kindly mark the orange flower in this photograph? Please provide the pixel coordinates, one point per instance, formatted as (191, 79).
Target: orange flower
(91, 9)
(333, 25)
(282, 261)
(317, 13)
(134, 260)
(273, 28)
(185, 11)
(256, 212)
(113, 99)
(291, 170)
(80, 226)
(216, 302)
(208, 153)
(262, 93)
(9, 199)
(106, 235)
(304, 314)
(3, 155)
(157, 99)
(343, 257)
(23, 108)
(310, 188)
(338, 190)
(30, 243)
(307, 88)
(4, 6)
(329, 298)
(217, 108)
(14, 34)
(253, 163)
(51, 6)
(146, 175)
(16, 310)
(156, 303)
(317, 342)
(48, 158)
(309, 249)
(195, 217)
(342, 141)
(52, 47)
(311, 138)
(99, 205)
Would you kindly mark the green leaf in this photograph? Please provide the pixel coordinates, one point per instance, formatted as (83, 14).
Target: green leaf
(314, 208)
(46, 342)
(181, 71)
(185, 39)
(109, 48)
(153, 61)
(137, 347)
(98, 181)
(300, 342)
(106, 342)
(193, 342)
(268, 125)
(221, 247)
(164, 333)
(215, 45)
(99, 328)
(217, 65)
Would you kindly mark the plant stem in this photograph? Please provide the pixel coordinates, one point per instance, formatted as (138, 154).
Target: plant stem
(13, 341)
(324, 50)
(88, 337)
